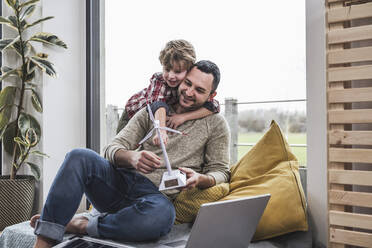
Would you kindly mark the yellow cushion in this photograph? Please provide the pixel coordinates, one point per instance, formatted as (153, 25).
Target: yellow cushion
(270, 167)
(188, 202)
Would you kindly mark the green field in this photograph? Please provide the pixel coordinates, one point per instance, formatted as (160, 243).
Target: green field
(293, 138)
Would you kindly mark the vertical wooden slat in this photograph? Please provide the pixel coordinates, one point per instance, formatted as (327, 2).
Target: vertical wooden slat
(335, 106)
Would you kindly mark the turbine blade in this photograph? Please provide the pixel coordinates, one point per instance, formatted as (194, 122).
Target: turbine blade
(146, 137)
(171, 130)
(150, 113)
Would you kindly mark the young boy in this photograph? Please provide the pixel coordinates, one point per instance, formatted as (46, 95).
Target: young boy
(177, 58)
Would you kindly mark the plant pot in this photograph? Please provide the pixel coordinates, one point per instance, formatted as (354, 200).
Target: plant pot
(16, 199)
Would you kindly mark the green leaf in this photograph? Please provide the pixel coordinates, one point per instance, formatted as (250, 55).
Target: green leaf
(11, 3)
(7, 43)
(31, 137)
(3, 20)
(23, 25)
(2, 131)
(7, 96)
(39, 21)
(5, 116)
(48, 38)
(44, 65)
(28, 12)
(12, 72)
(21, 141)
(27, 121)
(30, 65)
(4, 43)
(35, 99)
(35, 170)
(7, 22)
(39, 153)
(14, 21)
(28, 3)
(8, 138)
(29, 77)
(26, 47)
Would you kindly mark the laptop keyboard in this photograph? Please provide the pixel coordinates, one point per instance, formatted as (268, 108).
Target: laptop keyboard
(80, 243)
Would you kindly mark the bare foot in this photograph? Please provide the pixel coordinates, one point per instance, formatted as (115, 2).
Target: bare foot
(77, 225)
(42, 242)
(34, 219)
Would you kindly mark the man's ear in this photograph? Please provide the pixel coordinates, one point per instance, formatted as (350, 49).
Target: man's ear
(212, 95)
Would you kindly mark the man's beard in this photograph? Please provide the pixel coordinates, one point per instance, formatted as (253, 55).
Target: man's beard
(193, 106)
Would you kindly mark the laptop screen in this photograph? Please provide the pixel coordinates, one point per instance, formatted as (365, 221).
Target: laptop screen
(80, 243)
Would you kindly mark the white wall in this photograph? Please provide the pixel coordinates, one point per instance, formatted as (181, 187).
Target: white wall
(316, 120)
(64, 117)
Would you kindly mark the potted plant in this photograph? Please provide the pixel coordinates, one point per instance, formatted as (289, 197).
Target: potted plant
(20, 131)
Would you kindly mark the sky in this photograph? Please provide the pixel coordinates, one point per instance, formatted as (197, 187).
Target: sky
(259, 46)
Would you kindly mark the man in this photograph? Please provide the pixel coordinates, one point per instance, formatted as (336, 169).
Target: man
(124, 188)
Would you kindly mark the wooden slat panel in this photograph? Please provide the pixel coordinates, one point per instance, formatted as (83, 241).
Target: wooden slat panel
(339, 137)
(350, 34)
(350, 55)
(350, 73)
(351, 237)
(350, 95)
(350, 13)
(335, 106)
(350, 177)
(349, 198)
(350, 116)
(350, 219)
(350, 155)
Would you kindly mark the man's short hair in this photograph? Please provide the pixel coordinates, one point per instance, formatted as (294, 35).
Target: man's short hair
(179, 52)
(209, 67)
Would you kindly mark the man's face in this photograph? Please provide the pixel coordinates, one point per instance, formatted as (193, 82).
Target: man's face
(195, 90)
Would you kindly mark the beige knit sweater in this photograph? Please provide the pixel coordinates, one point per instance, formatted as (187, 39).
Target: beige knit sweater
(205, 148)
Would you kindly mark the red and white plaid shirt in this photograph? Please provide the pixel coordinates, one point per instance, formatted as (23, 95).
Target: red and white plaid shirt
(159, 90)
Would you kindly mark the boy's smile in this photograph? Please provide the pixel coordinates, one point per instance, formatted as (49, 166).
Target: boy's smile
(174, 76)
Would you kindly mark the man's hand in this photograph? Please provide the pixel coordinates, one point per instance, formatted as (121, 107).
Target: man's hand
(143, 161)
(194, 179)
(174, 120)
(164, 136)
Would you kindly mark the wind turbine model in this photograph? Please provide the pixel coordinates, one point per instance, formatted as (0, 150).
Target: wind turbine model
(171, 178)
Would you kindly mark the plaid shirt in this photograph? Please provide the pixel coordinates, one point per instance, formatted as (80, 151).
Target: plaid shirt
(159, 90)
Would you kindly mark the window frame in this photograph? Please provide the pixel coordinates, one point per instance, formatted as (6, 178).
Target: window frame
(93, 75)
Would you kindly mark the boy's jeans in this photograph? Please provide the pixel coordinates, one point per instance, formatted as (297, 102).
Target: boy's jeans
(133, 208)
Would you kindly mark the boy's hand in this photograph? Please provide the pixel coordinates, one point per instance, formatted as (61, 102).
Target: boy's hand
(164, 136)
(174, 120)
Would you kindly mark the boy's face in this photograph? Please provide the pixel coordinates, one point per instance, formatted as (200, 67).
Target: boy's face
(174, 76)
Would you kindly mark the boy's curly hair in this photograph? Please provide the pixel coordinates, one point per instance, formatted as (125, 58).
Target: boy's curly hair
(177, 53)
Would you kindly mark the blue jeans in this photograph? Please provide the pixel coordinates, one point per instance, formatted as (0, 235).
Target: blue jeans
(132, 207)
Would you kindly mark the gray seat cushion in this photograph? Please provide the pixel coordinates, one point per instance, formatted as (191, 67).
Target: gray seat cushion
(21, 235)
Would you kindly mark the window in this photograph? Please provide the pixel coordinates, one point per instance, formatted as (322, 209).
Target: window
(259, 47)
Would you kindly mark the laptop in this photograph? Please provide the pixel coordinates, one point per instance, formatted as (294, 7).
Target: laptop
(230, 223)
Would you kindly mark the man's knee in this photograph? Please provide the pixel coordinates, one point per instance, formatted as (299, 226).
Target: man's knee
(79, 157)
(81, 154)
(160, 219)
(154, 218)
